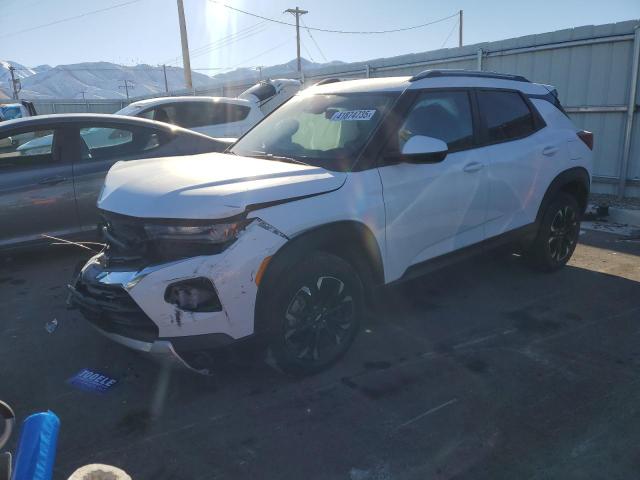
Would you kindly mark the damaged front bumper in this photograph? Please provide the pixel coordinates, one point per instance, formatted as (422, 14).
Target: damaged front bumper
(131, 307)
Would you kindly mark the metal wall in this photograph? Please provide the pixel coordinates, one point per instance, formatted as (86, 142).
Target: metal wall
(591, 66)
(46, 107)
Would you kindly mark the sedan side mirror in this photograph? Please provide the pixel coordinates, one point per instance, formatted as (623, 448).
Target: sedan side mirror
(423, 149)
(6, 142)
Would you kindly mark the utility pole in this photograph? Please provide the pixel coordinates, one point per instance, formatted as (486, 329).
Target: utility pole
(126, 86)
(259, 68)
(460, 30)
(297, 12)
(86, 105)
(15, 82)
(186, 62)
(166, 85)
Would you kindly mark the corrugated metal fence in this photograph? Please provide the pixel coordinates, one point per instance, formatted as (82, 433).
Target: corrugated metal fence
(594, 69)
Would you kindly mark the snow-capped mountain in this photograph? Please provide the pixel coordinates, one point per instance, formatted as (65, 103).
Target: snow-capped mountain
(104, 80)
(96, 79)
(274, 71)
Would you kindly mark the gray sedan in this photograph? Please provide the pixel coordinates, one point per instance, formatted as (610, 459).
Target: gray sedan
(52, 168)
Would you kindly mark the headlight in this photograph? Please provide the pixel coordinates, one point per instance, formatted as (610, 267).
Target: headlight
(214, 233)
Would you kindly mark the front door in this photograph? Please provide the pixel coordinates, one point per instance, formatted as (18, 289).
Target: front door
(36, 186)
(434, 208)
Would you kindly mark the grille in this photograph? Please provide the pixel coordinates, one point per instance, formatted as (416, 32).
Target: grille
(128, 244)
(111, 308)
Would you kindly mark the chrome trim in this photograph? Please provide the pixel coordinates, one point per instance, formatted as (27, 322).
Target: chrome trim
(128, 278)
(115, 278)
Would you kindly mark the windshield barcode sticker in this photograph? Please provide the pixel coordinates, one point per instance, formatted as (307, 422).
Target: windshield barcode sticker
(353, 115)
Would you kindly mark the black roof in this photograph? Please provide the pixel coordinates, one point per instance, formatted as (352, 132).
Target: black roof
(467, 73)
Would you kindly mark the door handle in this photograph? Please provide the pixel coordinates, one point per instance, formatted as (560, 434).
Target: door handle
(549, 151)
(473, 167)
(52, 180)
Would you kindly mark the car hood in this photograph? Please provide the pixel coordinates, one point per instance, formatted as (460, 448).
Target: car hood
(208, 186)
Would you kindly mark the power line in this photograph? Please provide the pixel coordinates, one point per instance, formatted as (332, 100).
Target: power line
(224, 41)
(232, 36)
(450, 33)
(262, 53)
(230, 41)
(307, 51)
(317, 29)
(314, 40)
(68, 19)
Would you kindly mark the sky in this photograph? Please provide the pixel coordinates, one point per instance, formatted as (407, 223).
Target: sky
(146, 31)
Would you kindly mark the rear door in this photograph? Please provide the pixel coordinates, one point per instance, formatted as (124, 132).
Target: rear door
(98, 147)
(36, 185)
(513, 149)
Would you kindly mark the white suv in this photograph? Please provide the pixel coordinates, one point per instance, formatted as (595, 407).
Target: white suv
(346, 187)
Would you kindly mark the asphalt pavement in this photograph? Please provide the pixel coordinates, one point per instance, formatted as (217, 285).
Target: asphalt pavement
(485, 370)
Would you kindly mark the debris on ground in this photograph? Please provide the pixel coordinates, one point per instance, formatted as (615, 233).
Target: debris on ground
(606, 200)
(51, 326)
(614, 228)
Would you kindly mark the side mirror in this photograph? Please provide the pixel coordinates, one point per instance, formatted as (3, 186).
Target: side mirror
(6, 142)
(423, 149)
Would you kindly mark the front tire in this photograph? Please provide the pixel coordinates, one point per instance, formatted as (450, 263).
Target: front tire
(558, 234)
(314, 313)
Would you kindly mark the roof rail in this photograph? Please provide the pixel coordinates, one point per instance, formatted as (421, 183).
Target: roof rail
(326, 81)
(467, 73)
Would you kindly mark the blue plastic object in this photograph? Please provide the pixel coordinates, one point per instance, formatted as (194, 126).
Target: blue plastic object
(37, 447)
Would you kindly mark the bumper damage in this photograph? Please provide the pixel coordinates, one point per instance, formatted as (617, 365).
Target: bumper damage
(131, 305)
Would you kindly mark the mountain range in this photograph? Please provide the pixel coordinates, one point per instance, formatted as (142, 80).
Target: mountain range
(104, 80)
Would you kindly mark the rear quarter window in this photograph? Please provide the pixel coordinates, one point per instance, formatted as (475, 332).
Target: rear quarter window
(506, 115)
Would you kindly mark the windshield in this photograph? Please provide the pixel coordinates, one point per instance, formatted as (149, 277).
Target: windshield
(328, 131)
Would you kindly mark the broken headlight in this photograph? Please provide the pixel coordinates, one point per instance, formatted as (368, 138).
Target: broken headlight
(182, 241)
(214, 233)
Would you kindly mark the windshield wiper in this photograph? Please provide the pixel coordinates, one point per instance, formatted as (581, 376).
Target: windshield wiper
(277, 158)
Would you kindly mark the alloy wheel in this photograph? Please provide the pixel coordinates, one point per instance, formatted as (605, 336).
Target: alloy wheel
(563, 234)
(318, 320)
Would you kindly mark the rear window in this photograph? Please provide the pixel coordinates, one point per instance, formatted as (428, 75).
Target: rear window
(507, 116)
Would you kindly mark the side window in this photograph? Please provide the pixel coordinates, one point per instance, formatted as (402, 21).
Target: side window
(192, 114)
(108, 143)
(229, 112)
(26, 150)
(440, 114)
(148, 114)
(166, 114)
(506, 115)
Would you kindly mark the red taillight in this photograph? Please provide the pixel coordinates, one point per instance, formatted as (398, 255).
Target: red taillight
(586, 137)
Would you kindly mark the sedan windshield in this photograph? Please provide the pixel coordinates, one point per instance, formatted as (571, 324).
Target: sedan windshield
(328, 131)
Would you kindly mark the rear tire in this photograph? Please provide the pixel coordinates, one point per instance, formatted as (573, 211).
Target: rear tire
(314, 313)
(558, 234)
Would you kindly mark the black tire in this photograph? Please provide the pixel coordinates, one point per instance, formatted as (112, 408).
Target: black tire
(314, 313)
(558, 234)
